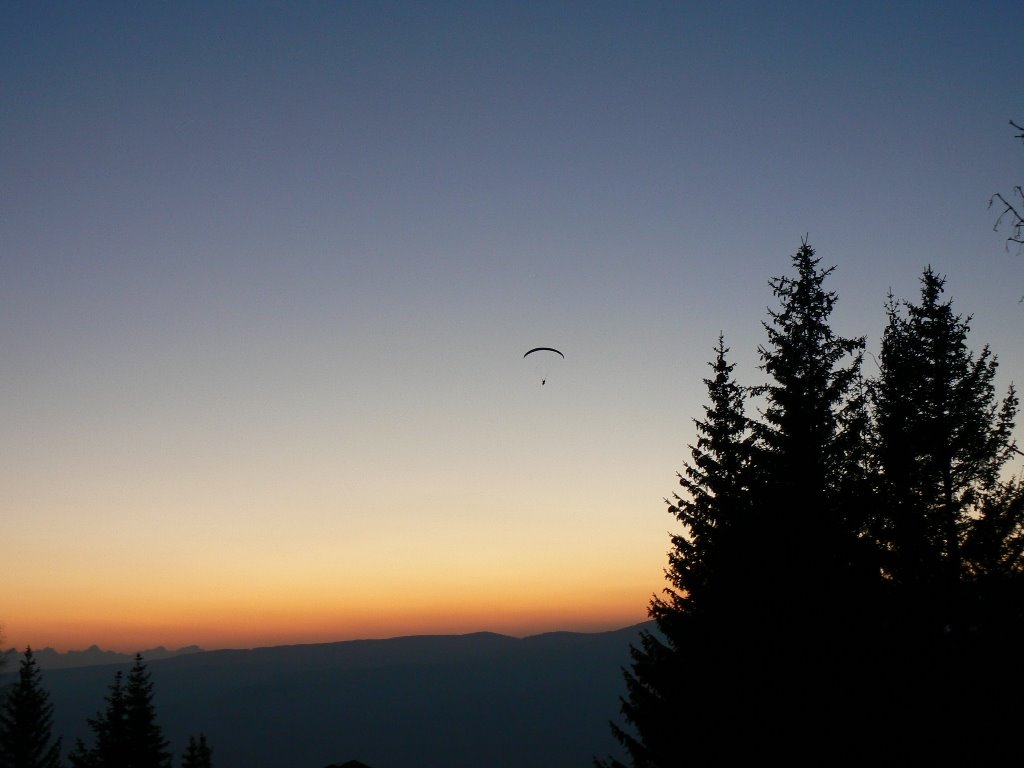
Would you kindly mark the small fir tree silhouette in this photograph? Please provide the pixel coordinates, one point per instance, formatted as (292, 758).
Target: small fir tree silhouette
(109, 733)
(146, 745)
(26, 722)
(127, 734)
(198, 754)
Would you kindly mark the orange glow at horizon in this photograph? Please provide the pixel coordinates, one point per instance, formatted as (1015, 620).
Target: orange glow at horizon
(136, 582)
(235, 605)
(246, 624)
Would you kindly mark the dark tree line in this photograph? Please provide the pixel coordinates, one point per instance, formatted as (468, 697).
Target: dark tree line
(126, 733)
(848, 585)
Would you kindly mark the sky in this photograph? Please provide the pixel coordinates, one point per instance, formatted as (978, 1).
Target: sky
(268, 272)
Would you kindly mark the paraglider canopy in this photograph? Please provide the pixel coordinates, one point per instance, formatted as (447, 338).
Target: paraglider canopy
(544, 349)
(542, 357)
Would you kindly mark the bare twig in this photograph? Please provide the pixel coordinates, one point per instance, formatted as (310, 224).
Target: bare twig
(1010, 212)
(1016, 219)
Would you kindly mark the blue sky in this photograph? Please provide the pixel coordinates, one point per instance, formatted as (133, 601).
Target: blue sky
(268, 272)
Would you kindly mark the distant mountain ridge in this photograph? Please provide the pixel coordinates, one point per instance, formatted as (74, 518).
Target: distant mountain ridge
(93, 656)
(458, 701)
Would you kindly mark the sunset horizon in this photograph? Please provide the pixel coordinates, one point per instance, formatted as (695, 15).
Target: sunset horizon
(289, 629)
(324, 322)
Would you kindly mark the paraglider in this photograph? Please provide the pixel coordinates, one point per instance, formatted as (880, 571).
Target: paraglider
(543, 357)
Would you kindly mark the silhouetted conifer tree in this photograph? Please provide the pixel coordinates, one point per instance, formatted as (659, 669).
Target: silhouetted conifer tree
(943, 438)
(109, 749)
(952, 536)
(127, 734)
(708, 563)
(198, 754)
(770, 566)
(26, 722)
(709, 575)
(809, 438)
(994, 557)
(804, 666)
(147, 747)
(850, 575)
(994, 545)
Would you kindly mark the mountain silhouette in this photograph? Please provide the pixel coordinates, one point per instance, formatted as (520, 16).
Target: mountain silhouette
(459, 701)
(48, 658)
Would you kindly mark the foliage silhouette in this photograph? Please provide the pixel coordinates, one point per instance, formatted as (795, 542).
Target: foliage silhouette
(705, 569)
(808, 438)
(198, 753)
(850, 575)
(951, 537)
(110, 739)
(127, 734)
(26, 722)
(942, 441)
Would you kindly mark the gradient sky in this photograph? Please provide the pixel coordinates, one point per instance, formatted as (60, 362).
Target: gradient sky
(267, 274)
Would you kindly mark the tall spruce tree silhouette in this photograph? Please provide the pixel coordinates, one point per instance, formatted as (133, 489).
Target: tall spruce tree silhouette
(767, 589)
(943, 438)
(26, 722)
(953, 532)
(849, 583)
(817, 583)
(708, 575)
